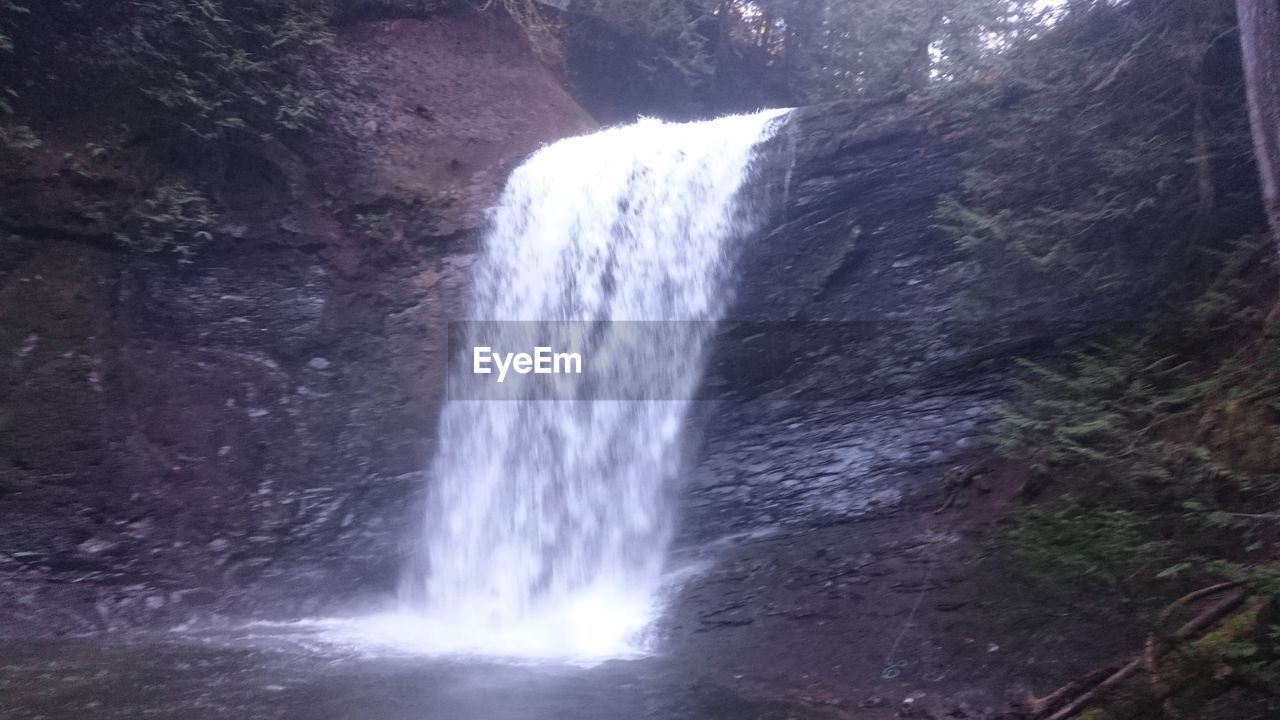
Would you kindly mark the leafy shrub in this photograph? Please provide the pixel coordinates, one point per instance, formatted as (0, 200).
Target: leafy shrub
(1109, 163)
(173, 217)
(224, 65)
(1158, 464)
(1091, 546)
(205, 68)
(1105, 155)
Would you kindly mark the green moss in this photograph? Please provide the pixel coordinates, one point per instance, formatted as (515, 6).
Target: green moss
(1238, 626)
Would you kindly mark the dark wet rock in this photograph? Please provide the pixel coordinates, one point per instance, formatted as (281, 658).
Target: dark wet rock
(845, 320)
(228, 308)
(96, 546)
(848, 384)
(851, 291)
(246, 434)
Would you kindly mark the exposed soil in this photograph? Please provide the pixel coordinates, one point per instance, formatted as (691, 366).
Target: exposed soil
(441, 111)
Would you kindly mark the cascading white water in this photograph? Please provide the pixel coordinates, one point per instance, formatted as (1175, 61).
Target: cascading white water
(548, 518)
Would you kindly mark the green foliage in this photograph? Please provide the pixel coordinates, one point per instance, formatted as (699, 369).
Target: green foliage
(876, 47)
(668, 29)
(1085, 418)
(743, 53)
(1254, 657)
(226, 65)
(1103, 153)
(1165, 476)
(171, 218)
(1130, 423)
(1088, 545)
(211, 69)
(1160, 466)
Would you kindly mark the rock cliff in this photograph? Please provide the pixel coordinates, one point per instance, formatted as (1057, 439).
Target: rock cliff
(249, 430)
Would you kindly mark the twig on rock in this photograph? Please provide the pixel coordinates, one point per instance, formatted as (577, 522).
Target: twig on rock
(1205, 619)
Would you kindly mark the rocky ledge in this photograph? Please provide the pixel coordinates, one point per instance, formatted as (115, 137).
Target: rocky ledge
(245, 433)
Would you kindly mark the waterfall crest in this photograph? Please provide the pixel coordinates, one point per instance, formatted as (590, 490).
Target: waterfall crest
(548, 519)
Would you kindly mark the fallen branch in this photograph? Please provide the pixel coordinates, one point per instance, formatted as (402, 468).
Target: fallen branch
(1113, 680)
(1205, 619)
(1151, 652)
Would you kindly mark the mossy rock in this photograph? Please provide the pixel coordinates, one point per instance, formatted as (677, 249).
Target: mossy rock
(1237, 627)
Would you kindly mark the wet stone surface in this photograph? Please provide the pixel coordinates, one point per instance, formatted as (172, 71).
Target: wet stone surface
(797, 463)
(285, 677)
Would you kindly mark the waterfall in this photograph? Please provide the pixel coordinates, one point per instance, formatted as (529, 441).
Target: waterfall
(550, 506)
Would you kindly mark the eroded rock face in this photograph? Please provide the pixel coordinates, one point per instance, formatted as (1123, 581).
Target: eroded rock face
(247, 433)
(852, 383)
(850, 276)
(844, 374)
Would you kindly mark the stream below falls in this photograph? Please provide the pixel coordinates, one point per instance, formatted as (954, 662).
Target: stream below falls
(251, 676)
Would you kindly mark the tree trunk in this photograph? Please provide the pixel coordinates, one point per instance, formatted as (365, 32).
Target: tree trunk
(1260, 44)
